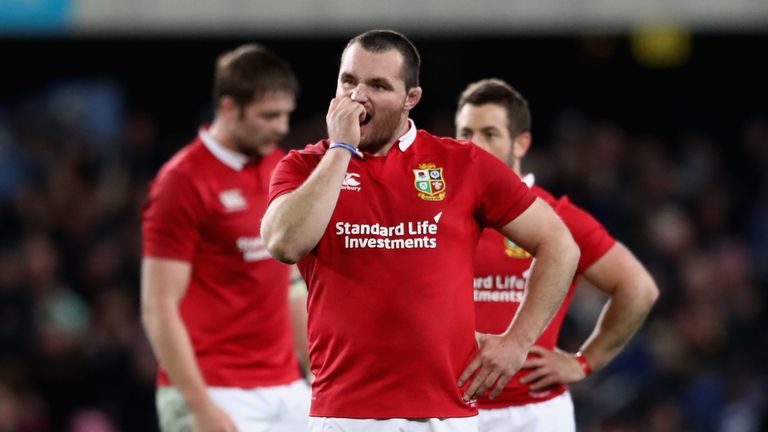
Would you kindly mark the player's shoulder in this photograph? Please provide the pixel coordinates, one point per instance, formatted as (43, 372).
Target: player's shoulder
(563, 205)
(574, 216)
(271, 159)
(185, 162)
(310, 151)
(429, 139)
(456, 147)
(276, 153)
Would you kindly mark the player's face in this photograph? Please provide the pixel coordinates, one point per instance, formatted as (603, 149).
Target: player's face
(263, 123)
(487, 126)
(375, 81)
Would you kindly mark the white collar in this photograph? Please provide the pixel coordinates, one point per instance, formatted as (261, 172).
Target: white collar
(529, 179)
(228, 157)
(407, 139)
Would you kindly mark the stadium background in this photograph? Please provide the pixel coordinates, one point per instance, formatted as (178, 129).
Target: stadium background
(652, 116)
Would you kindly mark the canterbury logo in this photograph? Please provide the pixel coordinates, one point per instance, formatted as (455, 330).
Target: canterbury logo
(351, 182)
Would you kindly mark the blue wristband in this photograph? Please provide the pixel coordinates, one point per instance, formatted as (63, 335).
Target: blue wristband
(352, 149)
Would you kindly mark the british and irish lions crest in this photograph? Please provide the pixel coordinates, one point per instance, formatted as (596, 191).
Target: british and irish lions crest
(429, 182)
(514, 251)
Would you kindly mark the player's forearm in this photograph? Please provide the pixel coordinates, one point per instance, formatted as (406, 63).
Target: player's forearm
(173, 349)
(621, 317)
(294, 224)
(551, 275)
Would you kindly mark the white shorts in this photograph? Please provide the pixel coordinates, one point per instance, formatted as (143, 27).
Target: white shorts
(282, 408)
(337, 424)
(554, 415)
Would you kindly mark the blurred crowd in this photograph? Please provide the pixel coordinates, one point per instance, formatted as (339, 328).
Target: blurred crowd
(74, 171)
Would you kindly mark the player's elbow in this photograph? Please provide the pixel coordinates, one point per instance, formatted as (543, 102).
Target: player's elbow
(557, 245)
(284, 255)
(149, 317)
(647, 291)
(639, 288)
(283, 249)
(567, 248)
(280, 240)
(572, 253)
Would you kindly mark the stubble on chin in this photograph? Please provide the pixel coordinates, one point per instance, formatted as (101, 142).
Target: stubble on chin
(256, 150)
(374, 140)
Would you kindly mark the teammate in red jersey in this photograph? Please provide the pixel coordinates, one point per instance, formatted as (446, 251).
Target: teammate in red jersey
(383, 220)
(496, 117)
(215, 304)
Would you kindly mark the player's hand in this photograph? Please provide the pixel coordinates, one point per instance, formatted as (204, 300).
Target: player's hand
(211, 418)
(551, 367)
(496, 363)
(343, 120)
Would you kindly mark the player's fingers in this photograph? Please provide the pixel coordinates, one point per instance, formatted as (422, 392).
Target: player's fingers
(533, 363)
(471, 368)
(544, 382)
(500, 384)
(347, 108)
(343, 104)
(533, 376)
(476, 383)
(360, 111)
(230, 426)
(487, 384)
(333, 104)
(333, 111)
(540, 351)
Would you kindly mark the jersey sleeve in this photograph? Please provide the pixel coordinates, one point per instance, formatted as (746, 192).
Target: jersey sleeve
(172, 217)
(290, 173)
(503, 196)
(590, 235)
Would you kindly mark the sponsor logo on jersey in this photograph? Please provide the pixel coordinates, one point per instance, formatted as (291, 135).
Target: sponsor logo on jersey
(420, 234)
(514, 251)
(502, 288)
(429, 182)
(253, 249)
(233, 200)
(351, 182)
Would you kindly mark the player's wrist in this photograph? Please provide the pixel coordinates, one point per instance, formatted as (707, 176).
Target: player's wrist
(198, 400)
(583, 364)
(518, 340)
(353, 150)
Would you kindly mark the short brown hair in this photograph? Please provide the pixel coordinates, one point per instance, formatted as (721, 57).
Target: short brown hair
(379, 41)
(249, 71)
(496, 91)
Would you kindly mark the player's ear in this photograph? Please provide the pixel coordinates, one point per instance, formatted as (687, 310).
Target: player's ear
(521, 144)
(226, 106)
(412, 98)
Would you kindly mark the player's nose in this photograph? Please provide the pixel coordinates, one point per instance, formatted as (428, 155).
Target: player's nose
(358, 94)
(282, 125)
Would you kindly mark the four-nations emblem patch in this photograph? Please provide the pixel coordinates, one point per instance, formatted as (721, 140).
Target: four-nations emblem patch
(429, 182)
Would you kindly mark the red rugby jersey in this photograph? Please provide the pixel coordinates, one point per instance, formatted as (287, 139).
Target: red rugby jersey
(205, 207)
(501, 275)
(391, 317)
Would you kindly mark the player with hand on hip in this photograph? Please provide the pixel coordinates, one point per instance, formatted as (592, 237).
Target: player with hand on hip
(494, 116)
